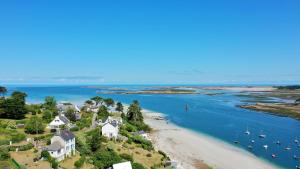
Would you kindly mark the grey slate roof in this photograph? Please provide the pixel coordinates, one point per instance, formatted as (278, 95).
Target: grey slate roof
(55, 146)
(64, 119)
(114, 123)
(66, 135)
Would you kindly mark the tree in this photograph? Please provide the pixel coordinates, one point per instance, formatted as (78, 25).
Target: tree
(134, 112)
(89, 102)
(97, 99)
(47, 116)
(109, 102)
(34, 125)
(14, 106)
(95, 140)
(119, 107)
(50, 104)
(102, 112)
(3, 90)
(70, 114)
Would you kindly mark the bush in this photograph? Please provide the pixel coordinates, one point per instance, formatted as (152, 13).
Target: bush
(79, 163)
(4, 153)
(137, 166)
(45, 154)
(22, 147)
(126, 157)
(42, 137)
(54, 164)
(74, 128)
(149, 155)
(146, 144)
(17, 137)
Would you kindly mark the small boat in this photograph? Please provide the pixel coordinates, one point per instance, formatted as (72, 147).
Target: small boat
(265, 147)
(297, 167)
(299, 145)
(274, 156)
(186, 107)
(296, 141)
(296, 158)
(252, 141)
(247, 132)
(250, 147)
(278, 143)
(287, 148)
(236, 142)
(262, 136)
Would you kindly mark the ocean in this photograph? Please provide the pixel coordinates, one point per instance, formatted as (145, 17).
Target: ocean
(214, 115)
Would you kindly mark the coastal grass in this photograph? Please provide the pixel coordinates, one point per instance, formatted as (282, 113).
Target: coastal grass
(139, 155)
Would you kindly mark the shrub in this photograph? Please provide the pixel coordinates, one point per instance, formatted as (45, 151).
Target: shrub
(54, 164)
(42, 137)
(4, 153)
(22, 147)
(79, 163)
(146, 144)
(126, 157)
(74, 128)
(137, 166)
(45, 154)
(149, 155)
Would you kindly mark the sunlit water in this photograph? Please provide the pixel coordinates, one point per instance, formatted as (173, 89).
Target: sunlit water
(215, 115)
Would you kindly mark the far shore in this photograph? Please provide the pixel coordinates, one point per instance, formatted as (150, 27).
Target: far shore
(193, 150)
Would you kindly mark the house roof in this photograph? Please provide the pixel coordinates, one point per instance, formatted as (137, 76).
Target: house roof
(113, 123)
(55, 146)
(66, 135)
(64, 119)
(139, 132)
(124, 165)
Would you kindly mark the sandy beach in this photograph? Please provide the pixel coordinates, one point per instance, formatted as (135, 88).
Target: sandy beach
(190, 149)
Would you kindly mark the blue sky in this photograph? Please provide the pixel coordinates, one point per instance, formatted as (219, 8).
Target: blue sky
(150, 42)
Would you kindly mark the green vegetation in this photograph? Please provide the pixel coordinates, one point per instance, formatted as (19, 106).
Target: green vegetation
(70, 114)
(109, 102)
(290, 87)
(120, 107)
(103, 112)
(34, 125)
(13, 107)
(45, 154)
(97, 99)
(79, 163)
(3, 90)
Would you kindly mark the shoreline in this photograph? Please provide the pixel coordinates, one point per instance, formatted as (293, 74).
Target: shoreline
(193, 150)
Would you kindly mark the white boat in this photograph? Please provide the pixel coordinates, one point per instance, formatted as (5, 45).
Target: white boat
(265, 146)
(247, 132)
(250, 147)
(288, 148)
(278, 142)
(296, 141)
(252, 141)
(274, 156)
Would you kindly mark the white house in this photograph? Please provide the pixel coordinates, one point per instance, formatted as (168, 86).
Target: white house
(124, 165)
(58, 121)
(110, 130)
(62, 145)
(109, 119)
